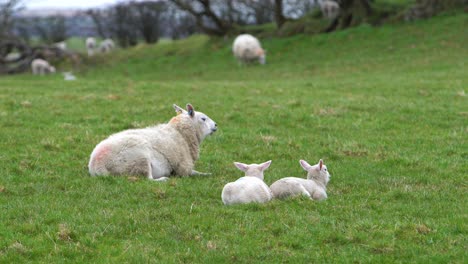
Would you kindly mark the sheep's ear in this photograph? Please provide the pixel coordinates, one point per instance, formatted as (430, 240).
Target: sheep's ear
(241, 166)
(178, 109)
(320, 164)
(265, 165)
(306, 166)
(190, 110)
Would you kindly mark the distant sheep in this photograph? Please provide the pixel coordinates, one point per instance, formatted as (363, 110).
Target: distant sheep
(61, 45)
(106, 46)
(313, 187)
(156, 152)
(247, 48)
(250, 188)
(90, 45)
(330, 9)
(41, 67)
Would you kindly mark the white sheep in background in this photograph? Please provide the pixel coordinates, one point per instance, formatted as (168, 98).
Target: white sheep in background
(330, 9)
(313, 187)
(156, 152)
(90, 45)
(247, 48)
(106, 45)
(41, 67)
(62, 45)
(250, 188)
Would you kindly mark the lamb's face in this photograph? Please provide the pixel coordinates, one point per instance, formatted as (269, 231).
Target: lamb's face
(51, 69)
(317, 172)
(206, 124)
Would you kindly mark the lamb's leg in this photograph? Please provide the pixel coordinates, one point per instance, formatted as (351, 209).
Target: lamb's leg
(305, 192)
(197, 173)
(158, 171)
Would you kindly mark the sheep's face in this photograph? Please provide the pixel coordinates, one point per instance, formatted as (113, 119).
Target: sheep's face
(52, 69)
(205, 124)
(317, 172)
(261, 56)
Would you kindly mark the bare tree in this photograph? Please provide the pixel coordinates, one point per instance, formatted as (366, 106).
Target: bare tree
(99, 18)
(148, 16)
(205, 17)
(279, 15)
(351, 12)
(7, 11)
(51, 29)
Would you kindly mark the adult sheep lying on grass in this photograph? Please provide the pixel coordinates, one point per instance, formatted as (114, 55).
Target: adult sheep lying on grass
(247, 48)
(250, 188)
(156, 152)
(313, 187)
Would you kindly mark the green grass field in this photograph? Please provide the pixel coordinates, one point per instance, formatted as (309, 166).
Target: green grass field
(384, 107)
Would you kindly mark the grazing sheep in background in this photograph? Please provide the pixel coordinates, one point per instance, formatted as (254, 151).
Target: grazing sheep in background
(41, 67)
(330, 9)
(249, 188)
(247, 48)
(61, 45)
(106, 45)
(313, 187)
(90, 45)
(155, 152)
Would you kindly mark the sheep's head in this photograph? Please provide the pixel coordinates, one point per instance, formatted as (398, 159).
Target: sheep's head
(51, 69)
(318, 172)
(205, 124)
(255, 170)
(261, 56)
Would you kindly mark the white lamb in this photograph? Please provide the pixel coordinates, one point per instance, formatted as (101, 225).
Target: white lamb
(90, 45)
(313, 187)
(156, 152)
(330, 9)
(247, 48)
(41, 67)
(250, 188)
(106, 45)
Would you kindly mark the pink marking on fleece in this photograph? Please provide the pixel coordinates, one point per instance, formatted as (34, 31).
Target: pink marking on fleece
(100, 153)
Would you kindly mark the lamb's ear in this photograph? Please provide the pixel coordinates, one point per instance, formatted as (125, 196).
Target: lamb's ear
(265, 165)
(190, 110)
(306, 166)
(320, 164)
(178, 109)
(241, 166)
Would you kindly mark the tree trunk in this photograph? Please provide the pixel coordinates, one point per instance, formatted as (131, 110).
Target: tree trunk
(279, 17)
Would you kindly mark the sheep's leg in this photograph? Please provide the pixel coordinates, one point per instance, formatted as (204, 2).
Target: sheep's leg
(158, 171)
(197, 173)
(319, 195)
(305, 192)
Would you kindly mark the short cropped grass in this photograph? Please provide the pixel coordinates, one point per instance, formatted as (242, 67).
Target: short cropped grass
(384, 107)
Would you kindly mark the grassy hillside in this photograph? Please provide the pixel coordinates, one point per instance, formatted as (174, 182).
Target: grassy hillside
(384, 107)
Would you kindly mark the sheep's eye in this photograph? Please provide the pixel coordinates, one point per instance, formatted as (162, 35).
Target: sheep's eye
(203, 119)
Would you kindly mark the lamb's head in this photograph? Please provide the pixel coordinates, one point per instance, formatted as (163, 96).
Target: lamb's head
(317, 172)
(202, 122)
(51, 69)
(255, 170)
(261, 56)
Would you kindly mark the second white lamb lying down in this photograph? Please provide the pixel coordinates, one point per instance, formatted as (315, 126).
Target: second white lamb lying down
(248, 189)
(313, 187)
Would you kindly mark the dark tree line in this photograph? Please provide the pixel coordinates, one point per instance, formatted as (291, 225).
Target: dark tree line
(129, 22)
